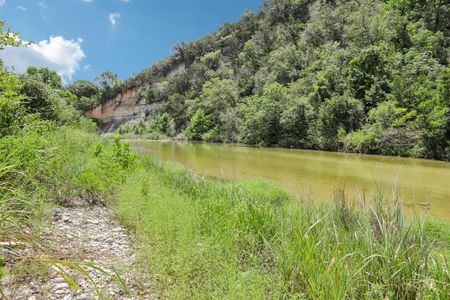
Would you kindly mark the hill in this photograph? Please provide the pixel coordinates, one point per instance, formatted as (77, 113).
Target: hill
(365, 76)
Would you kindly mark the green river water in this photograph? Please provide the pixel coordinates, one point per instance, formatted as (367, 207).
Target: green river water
(423, 185)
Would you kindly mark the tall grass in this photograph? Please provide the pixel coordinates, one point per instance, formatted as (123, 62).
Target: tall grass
(203, 238)
(43, 166)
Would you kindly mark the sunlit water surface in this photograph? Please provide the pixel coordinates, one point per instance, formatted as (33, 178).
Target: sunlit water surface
(423, 185)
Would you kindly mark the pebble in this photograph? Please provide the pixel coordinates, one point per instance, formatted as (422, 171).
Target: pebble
(86, 233)
(61, 286)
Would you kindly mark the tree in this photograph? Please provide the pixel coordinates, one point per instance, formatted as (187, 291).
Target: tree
(252, 56)
(84, 103)
(12, 111)
(286, 64)
(339, 115)
(212, 59)
(107, 80)
(259, 121)
(218, 101)
(369, 138)
(198, 126)
(87, 94)
(11, 107)
(176, 107)
(84, 88)
(369, 76)
(296, 122)
(8, 38)
(433, 14)
(260, 116)
(162, 124)
(47, 102)
(47, 76)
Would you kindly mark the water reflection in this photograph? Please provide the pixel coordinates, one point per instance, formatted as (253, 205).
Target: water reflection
(316, 174)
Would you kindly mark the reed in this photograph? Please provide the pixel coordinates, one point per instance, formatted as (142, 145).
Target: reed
(204, 238)
(42, 167)
(207, 238)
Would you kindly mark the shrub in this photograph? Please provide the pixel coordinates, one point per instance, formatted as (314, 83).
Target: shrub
(340, 113)
(199, 125)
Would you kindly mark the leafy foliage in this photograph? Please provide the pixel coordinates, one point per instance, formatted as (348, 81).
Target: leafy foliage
(361, 75)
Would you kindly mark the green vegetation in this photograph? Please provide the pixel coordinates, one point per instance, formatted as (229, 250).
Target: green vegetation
(48, 154)
(202, 238)
(367, 76)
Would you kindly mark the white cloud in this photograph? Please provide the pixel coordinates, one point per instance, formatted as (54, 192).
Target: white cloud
(42, 4)
(113, 18)
(56, 53)
(21, 7)
(126, 1)
(86, 67)
(87, 1)
(2, 2)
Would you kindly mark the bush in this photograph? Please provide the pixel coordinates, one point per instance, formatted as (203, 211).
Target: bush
(198, 126)
(297, 122)
(162, 124)
(339, 114)
(12, 111)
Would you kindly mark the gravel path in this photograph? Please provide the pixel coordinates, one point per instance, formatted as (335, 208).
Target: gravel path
(86, 233)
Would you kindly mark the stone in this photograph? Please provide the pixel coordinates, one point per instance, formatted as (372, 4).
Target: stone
(84, 233)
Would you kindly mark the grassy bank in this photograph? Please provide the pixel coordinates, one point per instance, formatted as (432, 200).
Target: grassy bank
(204, 238)
(42, 167)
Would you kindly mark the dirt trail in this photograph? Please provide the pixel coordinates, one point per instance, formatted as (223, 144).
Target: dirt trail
(84, 232)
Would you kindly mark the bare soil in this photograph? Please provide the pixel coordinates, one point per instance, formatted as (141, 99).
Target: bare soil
(82, 232)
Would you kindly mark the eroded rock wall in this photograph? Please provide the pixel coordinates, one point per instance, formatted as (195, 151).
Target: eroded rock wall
(129, 105)
(124, 107)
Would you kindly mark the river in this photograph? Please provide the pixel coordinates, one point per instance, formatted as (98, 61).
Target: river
(423, 185)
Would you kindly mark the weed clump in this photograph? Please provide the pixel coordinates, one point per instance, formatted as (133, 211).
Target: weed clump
(205, 238)
(42, 166)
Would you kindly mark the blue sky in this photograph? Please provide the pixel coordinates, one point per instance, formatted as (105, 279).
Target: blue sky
(82, 38)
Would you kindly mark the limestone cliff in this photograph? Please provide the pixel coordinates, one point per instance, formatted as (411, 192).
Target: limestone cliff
(126, 106)
(129, 105)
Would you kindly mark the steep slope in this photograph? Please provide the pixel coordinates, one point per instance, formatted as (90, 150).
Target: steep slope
(129, 104)
(366, 76)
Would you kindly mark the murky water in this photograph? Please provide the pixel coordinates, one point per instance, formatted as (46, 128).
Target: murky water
(423, 185)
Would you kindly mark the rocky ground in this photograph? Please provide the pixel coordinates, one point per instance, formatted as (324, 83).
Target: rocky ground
(81, 232)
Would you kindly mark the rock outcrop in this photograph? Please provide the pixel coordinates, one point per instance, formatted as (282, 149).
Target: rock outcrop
(129, 105)
(126, 106)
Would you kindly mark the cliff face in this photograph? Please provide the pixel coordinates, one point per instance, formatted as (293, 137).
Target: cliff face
(126, 106)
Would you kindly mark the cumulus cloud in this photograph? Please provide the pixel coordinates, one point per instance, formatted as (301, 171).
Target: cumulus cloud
(2, 2)
(113, 18)
(56, 53)
(21, 7)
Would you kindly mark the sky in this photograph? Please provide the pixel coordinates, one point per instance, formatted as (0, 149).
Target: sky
(82, 38)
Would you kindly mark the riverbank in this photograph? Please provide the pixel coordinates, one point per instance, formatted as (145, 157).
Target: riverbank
(207, 238)
(421, 184)
(57, 240)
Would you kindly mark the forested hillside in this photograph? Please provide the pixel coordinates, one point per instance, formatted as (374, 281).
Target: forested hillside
(367, 76)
